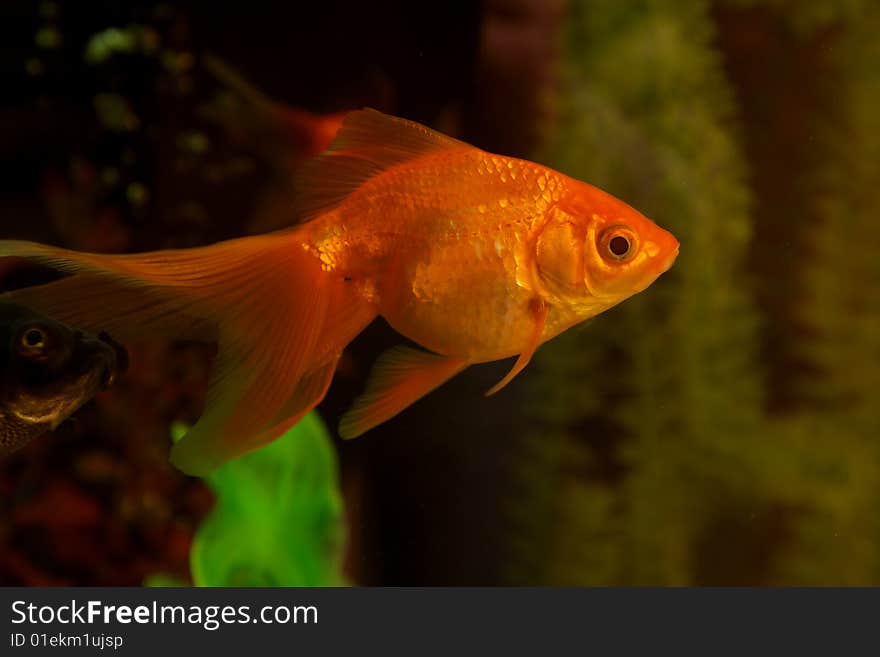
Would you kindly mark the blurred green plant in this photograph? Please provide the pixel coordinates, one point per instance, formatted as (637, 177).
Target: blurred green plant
(806, 17)
(840, 425)
(654, 459)
(164, 581)
(278, 517)
(114, 40)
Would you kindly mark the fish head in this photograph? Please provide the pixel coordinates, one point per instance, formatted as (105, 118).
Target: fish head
(50, 369)
(596, 250)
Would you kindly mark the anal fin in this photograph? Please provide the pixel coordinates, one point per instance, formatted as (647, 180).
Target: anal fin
(400, 376)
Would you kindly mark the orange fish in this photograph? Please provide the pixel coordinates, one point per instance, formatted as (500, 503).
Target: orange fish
(474, 256)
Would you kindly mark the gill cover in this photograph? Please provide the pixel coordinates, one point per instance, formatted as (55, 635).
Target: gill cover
(559, 256)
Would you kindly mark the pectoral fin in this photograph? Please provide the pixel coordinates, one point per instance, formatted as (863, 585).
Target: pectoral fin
(540, 310)
(401, 376)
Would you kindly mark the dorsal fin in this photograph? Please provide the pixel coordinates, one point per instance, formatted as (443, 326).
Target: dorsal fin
(368, 143)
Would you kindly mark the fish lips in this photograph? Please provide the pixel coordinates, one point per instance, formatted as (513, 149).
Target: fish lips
(103, 355)
(119, 351)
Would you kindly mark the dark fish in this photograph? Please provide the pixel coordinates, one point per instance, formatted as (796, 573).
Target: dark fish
(47, 371)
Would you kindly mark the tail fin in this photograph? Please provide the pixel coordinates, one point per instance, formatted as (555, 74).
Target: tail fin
(279, 320)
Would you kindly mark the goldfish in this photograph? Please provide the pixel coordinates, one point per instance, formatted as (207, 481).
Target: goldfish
(49, 370)
(472, 256)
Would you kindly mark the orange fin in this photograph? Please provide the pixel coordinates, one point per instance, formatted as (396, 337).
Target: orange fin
(540, 310)
(367, 144)
(308, 393)
(272, 318)
(400, 376)
(81, 300)
(264, 298)
(97, 297)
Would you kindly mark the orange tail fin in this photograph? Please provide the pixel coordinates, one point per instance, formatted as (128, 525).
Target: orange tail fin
(279, 319)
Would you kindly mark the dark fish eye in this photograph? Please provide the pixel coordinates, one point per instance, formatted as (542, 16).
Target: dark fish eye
(619, 246)
(618, 243)
(34, 338)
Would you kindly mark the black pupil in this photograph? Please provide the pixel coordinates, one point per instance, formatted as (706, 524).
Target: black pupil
(619, 245)
(33, 337)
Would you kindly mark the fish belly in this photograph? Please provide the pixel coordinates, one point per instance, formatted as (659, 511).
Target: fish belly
(458, 298)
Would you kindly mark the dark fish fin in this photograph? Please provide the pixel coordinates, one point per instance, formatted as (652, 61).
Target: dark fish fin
(540, 310)
(267, 299)
(368, 143)
(400, 376)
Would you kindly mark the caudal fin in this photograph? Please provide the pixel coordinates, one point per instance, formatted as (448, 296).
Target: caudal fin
(279, 321)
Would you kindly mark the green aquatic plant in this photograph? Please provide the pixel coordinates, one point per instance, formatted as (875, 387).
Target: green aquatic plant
(807, 17)
(126, 40)
(278, 519)
(842, 272)
(839, 426)
(657, 457)
(163, 581)
(814, 146)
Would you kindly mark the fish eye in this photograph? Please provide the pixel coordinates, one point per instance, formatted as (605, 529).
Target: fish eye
(618, 243)
(38, 342)
(619, 246)
(35, 342)
(34, 338)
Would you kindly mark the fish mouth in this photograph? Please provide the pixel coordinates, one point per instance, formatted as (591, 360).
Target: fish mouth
(113, 357)
(670, 257)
